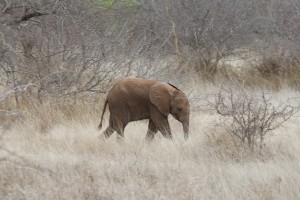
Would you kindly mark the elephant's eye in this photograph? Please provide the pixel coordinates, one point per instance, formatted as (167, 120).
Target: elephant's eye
(179, 109)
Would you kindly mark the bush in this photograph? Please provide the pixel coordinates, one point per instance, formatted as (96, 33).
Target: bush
(249, 117)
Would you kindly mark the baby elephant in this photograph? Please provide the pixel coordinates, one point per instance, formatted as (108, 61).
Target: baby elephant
(133, 99)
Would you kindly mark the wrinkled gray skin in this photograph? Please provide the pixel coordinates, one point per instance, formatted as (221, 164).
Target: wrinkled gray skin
(133, 99)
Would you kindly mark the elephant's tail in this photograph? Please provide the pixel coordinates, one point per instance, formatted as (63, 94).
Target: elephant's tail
(103, 111)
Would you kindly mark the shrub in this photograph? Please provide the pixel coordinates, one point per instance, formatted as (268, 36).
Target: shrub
(249, 117)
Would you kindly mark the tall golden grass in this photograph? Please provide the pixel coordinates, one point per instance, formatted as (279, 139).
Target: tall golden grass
(54, 152)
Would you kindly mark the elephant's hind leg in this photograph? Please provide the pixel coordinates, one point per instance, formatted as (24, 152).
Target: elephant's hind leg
(120, 136)
(152, 130)
(108, 132)
(119, 127)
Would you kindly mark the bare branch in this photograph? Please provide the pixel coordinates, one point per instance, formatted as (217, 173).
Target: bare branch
(248, 117)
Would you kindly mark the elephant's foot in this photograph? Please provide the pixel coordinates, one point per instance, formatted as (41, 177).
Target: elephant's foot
(102, 137)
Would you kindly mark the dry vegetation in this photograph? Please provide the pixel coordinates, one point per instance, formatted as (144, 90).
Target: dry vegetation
(68, 161)
(59, 58)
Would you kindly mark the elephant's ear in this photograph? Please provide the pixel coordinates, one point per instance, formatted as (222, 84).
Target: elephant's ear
(159, 95)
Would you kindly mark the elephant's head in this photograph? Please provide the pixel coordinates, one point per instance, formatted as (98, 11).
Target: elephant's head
(170, 100)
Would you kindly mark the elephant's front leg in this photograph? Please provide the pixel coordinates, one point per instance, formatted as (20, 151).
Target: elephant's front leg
(161, 122)
(164, 128)
(152, 130)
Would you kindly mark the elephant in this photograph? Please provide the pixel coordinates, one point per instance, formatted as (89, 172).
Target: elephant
(133, 99)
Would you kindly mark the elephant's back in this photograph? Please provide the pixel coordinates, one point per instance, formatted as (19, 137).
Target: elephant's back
(132, 87)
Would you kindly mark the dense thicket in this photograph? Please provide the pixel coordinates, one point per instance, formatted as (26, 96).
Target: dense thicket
(62, 47)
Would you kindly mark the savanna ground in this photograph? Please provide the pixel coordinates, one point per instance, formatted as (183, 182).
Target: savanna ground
(56, 154)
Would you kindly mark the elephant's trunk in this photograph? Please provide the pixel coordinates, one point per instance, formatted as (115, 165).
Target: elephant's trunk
(186, 125)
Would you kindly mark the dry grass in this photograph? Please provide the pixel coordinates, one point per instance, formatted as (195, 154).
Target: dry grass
(69, 162)
(271, 72)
